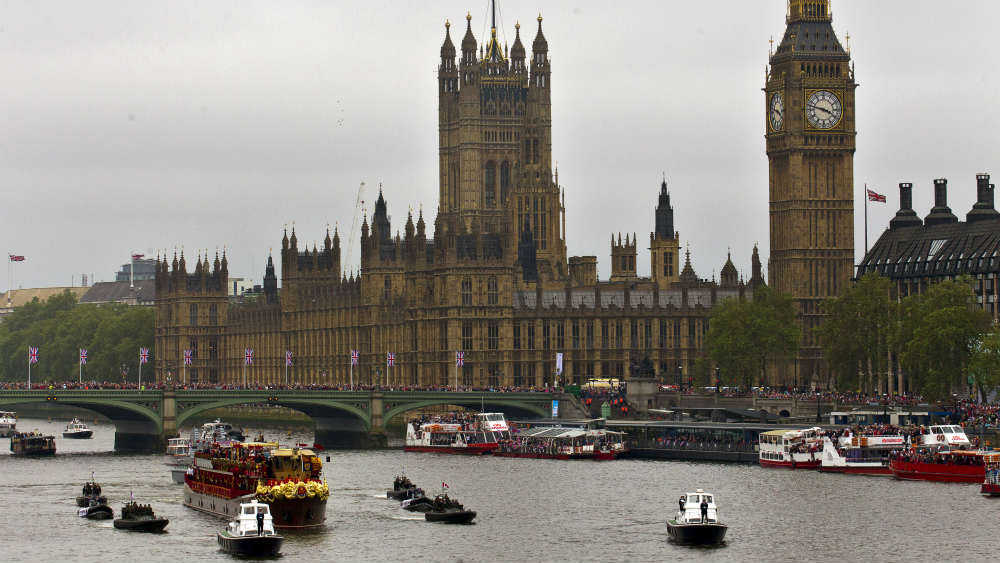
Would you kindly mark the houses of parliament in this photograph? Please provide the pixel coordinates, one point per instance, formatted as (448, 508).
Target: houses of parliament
(492, 278)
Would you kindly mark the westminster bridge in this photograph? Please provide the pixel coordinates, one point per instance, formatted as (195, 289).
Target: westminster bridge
(144, 419)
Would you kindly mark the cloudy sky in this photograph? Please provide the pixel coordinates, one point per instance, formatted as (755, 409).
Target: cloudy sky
(138, 125)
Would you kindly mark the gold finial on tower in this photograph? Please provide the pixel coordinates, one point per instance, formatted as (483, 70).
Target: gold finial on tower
(770, 46)
(848, 39)
(517, 25)
(447, 23)
(539, 18)
(468, 16)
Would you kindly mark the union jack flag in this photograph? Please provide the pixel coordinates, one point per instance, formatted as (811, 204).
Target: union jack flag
(288, 357)
(248, 356)
(32, 354)
(875, 196)
(83, 356)
(143, 355)
(459, 358)
(354, 357)
(188, 357)
(390, 359)
(16, 257)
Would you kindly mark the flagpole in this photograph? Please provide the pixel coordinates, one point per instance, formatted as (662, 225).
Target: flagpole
(29, 368)
(352, 374)
(286, 370)
(80, 378)
(866, 219)
(140, 371)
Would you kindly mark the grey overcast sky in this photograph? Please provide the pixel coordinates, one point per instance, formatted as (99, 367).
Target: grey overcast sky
(139, 125)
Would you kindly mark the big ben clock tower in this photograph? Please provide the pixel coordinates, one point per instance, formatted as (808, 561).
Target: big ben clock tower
(810, 131)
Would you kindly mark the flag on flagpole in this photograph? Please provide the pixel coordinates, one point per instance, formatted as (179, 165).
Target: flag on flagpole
(143, 355)
(444, 485)
(248, 356)
(137, 256)
(32, 354)
(288, 357)
(188, 357)
(83, 356)
(459, 358)
(875, 196)
(390, 359)
(559, 362)
(354, 357)
(15, 258)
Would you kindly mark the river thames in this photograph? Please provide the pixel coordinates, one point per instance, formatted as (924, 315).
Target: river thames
(529, 510)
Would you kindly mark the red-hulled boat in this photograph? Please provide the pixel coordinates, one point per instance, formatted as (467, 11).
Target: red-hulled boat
(224, 476)
(991, 483)
(448, 435)
(948, 466)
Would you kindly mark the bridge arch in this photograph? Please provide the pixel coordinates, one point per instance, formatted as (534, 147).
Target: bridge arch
(137, 426)
(311, 408)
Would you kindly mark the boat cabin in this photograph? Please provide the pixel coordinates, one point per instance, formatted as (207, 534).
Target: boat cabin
(178, 447)
(692, 508)
(945, 435)
(246, 522)
(777, 444)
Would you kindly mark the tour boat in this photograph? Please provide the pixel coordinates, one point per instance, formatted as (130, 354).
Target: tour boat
(223, 477)
(792, 449)
(949, 466)
(77, 429)
(991, 482)
(178, 458)
(945, 436)
(32, 443)
(690, 527)
(860, 454)
(251, 532)
(548, 442)
(215, 432)
(8, 423)
(480, 436)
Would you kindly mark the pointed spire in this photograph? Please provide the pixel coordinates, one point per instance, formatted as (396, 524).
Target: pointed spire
(468, 42)
(225, 262)
(539, 45)
(327, 241)
(421, 228)
(447, 48)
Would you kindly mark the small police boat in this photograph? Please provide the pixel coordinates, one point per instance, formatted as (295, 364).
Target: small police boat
(402, 489)
(97, 510)
(251, 533)
(418, 502)
(139, 518)
(697, 520)
(91, 491)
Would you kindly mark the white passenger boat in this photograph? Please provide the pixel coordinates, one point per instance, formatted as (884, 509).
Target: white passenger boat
(77, 429)
(791, 449)
(251, 533)
(860, 454)
(481, 436)
(8, 423)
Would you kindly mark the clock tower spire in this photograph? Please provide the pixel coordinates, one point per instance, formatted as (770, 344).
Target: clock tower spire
(810, 134)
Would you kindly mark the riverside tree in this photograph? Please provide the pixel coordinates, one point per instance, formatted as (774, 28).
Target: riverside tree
(744, 336)
(112, 335)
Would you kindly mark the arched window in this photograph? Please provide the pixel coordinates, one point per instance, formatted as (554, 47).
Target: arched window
(387, 292)
(467, 291)
(491, 291)
(491, 184)
(504, 182)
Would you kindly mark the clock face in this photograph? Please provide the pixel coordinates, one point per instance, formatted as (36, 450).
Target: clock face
(823, 109)
(776, 111)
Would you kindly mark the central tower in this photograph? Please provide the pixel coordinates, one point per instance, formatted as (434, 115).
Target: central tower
(810, 133)
(495, 127)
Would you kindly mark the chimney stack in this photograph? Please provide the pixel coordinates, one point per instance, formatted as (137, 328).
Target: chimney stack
(983, 209)
(906, 216)
(940, 214)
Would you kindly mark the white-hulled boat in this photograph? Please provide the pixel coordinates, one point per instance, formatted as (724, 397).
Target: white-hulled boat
(693, 525)
(860, 454)
(178, 458)
(792, 449)
(252, 532)
(8, 423)
(481, 436)
(77, 429)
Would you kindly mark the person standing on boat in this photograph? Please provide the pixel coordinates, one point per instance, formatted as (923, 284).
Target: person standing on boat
(260, 521)
(704, 509)
(680, 503)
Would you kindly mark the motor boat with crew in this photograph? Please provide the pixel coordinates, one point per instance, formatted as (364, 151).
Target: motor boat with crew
(32, 443)
(697, 520)
(91, 491)
(451, 435)
(991, 481)
(223, 477)
(792, 449)
(96, 510)
(139, 518)
(8, 423)
(251, 532)
(448, 510)
(861, 454)
(77, 429)
(402, 488)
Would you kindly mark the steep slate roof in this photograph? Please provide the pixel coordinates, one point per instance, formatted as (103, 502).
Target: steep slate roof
(938, 250)
(116, 292)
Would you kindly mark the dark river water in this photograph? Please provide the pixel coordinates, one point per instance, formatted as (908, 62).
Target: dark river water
(529, 510)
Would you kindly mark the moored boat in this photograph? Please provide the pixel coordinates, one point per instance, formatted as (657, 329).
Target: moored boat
(251, 532)
(449, 511)
(946, 466)
(697, 520)
(791, 449)
(287, 479)
(8, 423)
(456, 434)
(547, 442)
(991, 481)
(77, 429)
(860, 454)
(139, 518)
(32, 443)
(178, 458)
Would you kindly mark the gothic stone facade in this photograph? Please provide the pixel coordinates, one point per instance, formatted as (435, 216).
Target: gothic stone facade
(493, 280)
